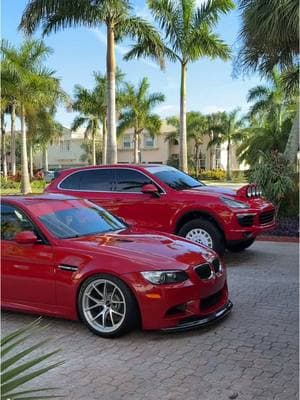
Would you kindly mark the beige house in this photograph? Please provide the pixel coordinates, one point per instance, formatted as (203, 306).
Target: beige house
(68, 151)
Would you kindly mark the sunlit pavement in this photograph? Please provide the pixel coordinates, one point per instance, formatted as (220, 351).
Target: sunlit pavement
(253, 354)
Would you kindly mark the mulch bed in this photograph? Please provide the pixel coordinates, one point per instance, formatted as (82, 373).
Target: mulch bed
(287, 230)
(287, 239)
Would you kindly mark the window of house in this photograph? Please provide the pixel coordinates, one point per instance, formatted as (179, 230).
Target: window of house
(127, 142)
(202, 160)
(218, 156)
(148, 141)
(65, 145)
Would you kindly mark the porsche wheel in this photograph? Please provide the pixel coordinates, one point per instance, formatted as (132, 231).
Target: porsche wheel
(107, 306)
(204, 232)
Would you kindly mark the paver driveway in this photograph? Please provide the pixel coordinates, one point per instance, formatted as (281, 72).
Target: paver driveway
(253, 354)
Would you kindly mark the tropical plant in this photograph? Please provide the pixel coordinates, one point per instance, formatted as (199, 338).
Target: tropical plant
(34, 86)
(228, 131)
(16, 366)
(120, 22)
(87, 147)
(197, 128)
(86, 102)
(188, 36)
(137, 112)
(269, 120)
(274, 174)
(270, 38)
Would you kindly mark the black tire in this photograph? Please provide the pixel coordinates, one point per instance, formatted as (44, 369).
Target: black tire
(236, 247)
(109, 312)
(218, 243)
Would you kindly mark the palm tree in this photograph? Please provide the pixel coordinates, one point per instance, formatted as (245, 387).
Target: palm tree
(228, 131)
(269, 120)
(270, 38)
(34, 86)
(87, 103)
(137, 113)
(188, 36)
(197, 128)
(120, 22)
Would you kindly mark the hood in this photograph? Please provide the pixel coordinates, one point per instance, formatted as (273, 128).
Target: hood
(154, 250)
(213, 190)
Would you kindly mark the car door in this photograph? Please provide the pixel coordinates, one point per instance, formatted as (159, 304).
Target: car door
(92, 184)
(28, 271)
(140, 209)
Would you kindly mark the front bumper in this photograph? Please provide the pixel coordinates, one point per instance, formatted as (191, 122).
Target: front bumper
(187, 325)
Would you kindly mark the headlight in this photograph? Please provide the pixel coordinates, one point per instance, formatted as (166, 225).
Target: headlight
(234, 203)
(164, 277)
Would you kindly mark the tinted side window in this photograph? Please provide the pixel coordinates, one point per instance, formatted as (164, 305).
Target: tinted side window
(129, 180)
(95, 179)
(12, 222)
(71, 182)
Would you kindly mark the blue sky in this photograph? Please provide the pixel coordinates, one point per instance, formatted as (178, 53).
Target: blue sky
(80, 51)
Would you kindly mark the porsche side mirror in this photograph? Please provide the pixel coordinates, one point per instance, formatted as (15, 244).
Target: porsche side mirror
(149, 188)
(26, 237)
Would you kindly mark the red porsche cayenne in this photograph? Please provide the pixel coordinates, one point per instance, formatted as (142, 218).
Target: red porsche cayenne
(67, 257)
(162, 198)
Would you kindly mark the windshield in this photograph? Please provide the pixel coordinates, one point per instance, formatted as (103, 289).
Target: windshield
(75, 222)
(175, 179)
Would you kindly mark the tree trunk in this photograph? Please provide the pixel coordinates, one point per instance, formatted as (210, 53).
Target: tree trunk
(13, 139)
(3, 148)
(212, 153)
(197, 148)
(292, 145)
(112, 157)
(31, 160)
(228, 172)
(45, 158)
(183, 162)
(93, 148)
(136, 148)
(25, 182)
(104, 143)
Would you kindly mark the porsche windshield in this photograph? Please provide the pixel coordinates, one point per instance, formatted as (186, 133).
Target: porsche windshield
(75, 222)
(174, 178)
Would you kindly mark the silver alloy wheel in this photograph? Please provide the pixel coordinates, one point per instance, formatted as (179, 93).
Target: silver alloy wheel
(103, 305)
(199, 235)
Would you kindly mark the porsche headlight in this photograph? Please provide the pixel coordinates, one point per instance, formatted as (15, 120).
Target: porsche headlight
(234, 203)
(164, 277)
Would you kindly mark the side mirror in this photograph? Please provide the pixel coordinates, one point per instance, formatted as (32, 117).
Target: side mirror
(149, 188)
(26, 237)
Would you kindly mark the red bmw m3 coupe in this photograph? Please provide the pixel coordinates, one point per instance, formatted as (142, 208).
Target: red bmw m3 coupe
(67, 257)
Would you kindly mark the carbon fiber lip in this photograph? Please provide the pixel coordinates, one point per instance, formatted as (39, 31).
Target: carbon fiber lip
(209, 319)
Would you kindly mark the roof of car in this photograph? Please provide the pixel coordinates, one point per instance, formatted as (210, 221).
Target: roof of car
(134, 166)
(29, 199)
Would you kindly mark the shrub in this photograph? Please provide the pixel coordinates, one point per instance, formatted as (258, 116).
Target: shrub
(277, 179)
(213, 174)
(9, 184)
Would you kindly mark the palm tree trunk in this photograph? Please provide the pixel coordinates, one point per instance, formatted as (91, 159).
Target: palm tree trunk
(136, 148)
(31, 160)
(25, 182)
(45, 158)
(13, 139)
(112, 157)
(3, 148)
(183, 163)
(197, 147)
(93, 148)
(104, 143)
(228, 172)
(292, 145)
(212, 152)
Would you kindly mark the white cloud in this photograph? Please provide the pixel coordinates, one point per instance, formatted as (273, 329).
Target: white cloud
(121, 49)
(167, 110)
(200, 2)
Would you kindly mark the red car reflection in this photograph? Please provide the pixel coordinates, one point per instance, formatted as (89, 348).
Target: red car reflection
(69, 258)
